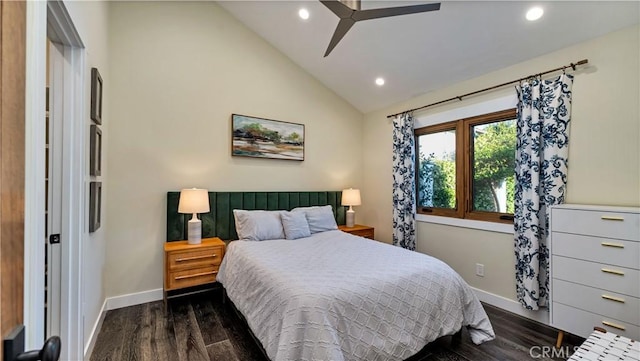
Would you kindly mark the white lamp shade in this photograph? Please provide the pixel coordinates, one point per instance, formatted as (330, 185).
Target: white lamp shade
(193, 201)
(351, 197)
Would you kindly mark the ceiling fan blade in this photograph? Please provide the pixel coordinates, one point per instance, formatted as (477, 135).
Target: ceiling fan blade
(341, 30)
(401, 10)
(338, 8)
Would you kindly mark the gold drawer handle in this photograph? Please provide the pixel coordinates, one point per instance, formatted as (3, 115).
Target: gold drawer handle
(611, 298)
(612, 271)
(614, 245)
(196, 275)
(614, 325)
(195, 257)
(610, 218)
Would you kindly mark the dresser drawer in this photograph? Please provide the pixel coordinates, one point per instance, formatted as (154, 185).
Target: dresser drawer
(603, 250)
(617, 225)
(200, 257)
(606, 303)
(581, 322)
(611, 278)
(191, 277)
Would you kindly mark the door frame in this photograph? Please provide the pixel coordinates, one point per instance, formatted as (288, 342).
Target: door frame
(52, 19)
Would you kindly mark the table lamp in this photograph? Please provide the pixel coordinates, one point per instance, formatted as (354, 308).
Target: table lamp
(351, 197)
(194, 201)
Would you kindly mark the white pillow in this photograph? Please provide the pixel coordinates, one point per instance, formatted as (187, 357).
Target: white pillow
(258, 225)
(295, 225)
(320, 219)
(304, 209)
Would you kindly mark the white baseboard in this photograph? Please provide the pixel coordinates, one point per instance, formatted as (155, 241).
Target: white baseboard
(88, 349)
(138, 298)
(512, 306)
(133, 299)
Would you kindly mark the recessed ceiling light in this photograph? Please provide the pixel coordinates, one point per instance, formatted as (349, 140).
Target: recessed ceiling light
(304, 14)
(534, 13)
(379, 81)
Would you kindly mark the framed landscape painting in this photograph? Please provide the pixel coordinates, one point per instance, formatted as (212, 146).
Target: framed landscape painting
(266, 138)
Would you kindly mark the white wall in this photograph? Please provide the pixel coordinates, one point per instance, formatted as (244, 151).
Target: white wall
(604, 153)
(178, 72)
(90, 19)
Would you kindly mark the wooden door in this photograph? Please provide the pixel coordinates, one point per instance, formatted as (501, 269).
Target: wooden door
(12, 145)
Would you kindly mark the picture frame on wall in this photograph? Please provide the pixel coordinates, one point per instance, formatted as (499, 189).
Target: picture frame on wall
(95, 156)
(266, 138)
(96, 96)
(95, 205)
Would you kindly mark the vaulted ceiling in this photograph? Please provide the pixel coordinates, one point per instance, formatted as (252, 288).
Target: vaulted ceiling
(422, 52)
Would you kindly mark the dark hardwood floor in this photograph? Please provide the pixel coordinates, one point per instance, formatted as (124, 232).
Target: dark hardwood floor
(201, 327)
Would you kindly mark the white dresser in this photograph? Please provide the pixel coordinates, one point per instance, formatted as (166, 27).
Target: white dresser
(595, 269)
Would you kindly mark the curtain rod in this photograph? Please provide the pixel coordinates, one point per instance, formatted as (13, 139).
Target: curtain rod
(571, 65)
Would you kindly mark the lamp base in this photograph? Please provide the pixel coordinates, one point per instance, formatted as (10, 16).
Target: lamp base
(351, 217)
(194, 231)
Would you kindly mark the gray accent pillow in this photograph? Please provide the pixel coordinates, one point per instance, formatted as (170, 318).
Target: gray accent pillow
(295, 225)
(320, 218)
(258, 225)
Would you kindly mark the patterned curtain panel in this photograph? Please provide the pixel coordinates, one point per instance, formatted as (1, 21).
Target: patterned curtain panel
(404, 183)
(544, 110)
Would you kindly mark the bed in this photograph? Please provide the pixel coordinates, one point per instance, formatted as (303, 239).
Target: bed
(335, 296)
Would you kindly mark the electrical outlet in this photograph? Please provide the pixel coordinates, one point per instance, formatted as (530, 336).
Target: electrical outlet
(479, 269)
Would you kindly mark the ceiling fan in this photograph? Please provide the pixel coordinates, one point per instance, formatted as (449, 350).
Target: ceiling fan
(349, 12)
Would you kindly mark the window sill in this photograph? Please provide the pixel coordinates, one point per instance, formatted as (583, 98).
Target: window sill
(467, 223)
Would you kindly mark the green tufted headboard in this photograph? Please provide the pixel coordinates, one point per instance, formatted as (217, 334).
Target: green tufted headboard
(220, 223)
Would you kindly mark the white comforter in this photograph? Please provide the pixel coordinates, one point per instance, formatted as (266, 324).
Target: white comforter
(334, 296)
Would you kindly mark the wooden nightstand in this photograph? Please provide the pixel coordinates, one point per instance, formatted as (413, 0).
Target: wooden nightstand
(187, 265)
(359, 230)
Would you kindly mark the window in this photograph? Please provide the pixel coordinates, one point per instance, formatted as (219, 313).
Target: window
(465, 168)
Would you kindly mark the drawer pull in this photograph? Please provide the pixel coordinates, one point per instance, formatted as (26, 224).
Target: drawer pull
(612, 271)
(614, 325)
(195, 257)
(611, 298)
(195, 275)
(614, 245)
(610, 218)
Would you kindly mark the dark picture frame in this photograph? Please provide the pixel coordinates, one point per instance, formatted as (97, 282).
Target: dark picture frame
(95, 158)
(95, 205)
(96, 96)
(266, 138)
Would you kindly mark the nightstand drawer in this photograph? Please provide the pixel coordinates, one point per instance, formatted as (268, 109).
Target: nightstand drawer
(188, 265)
(192, 277)
(359, 230)
(366, 233)
(195, 258)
